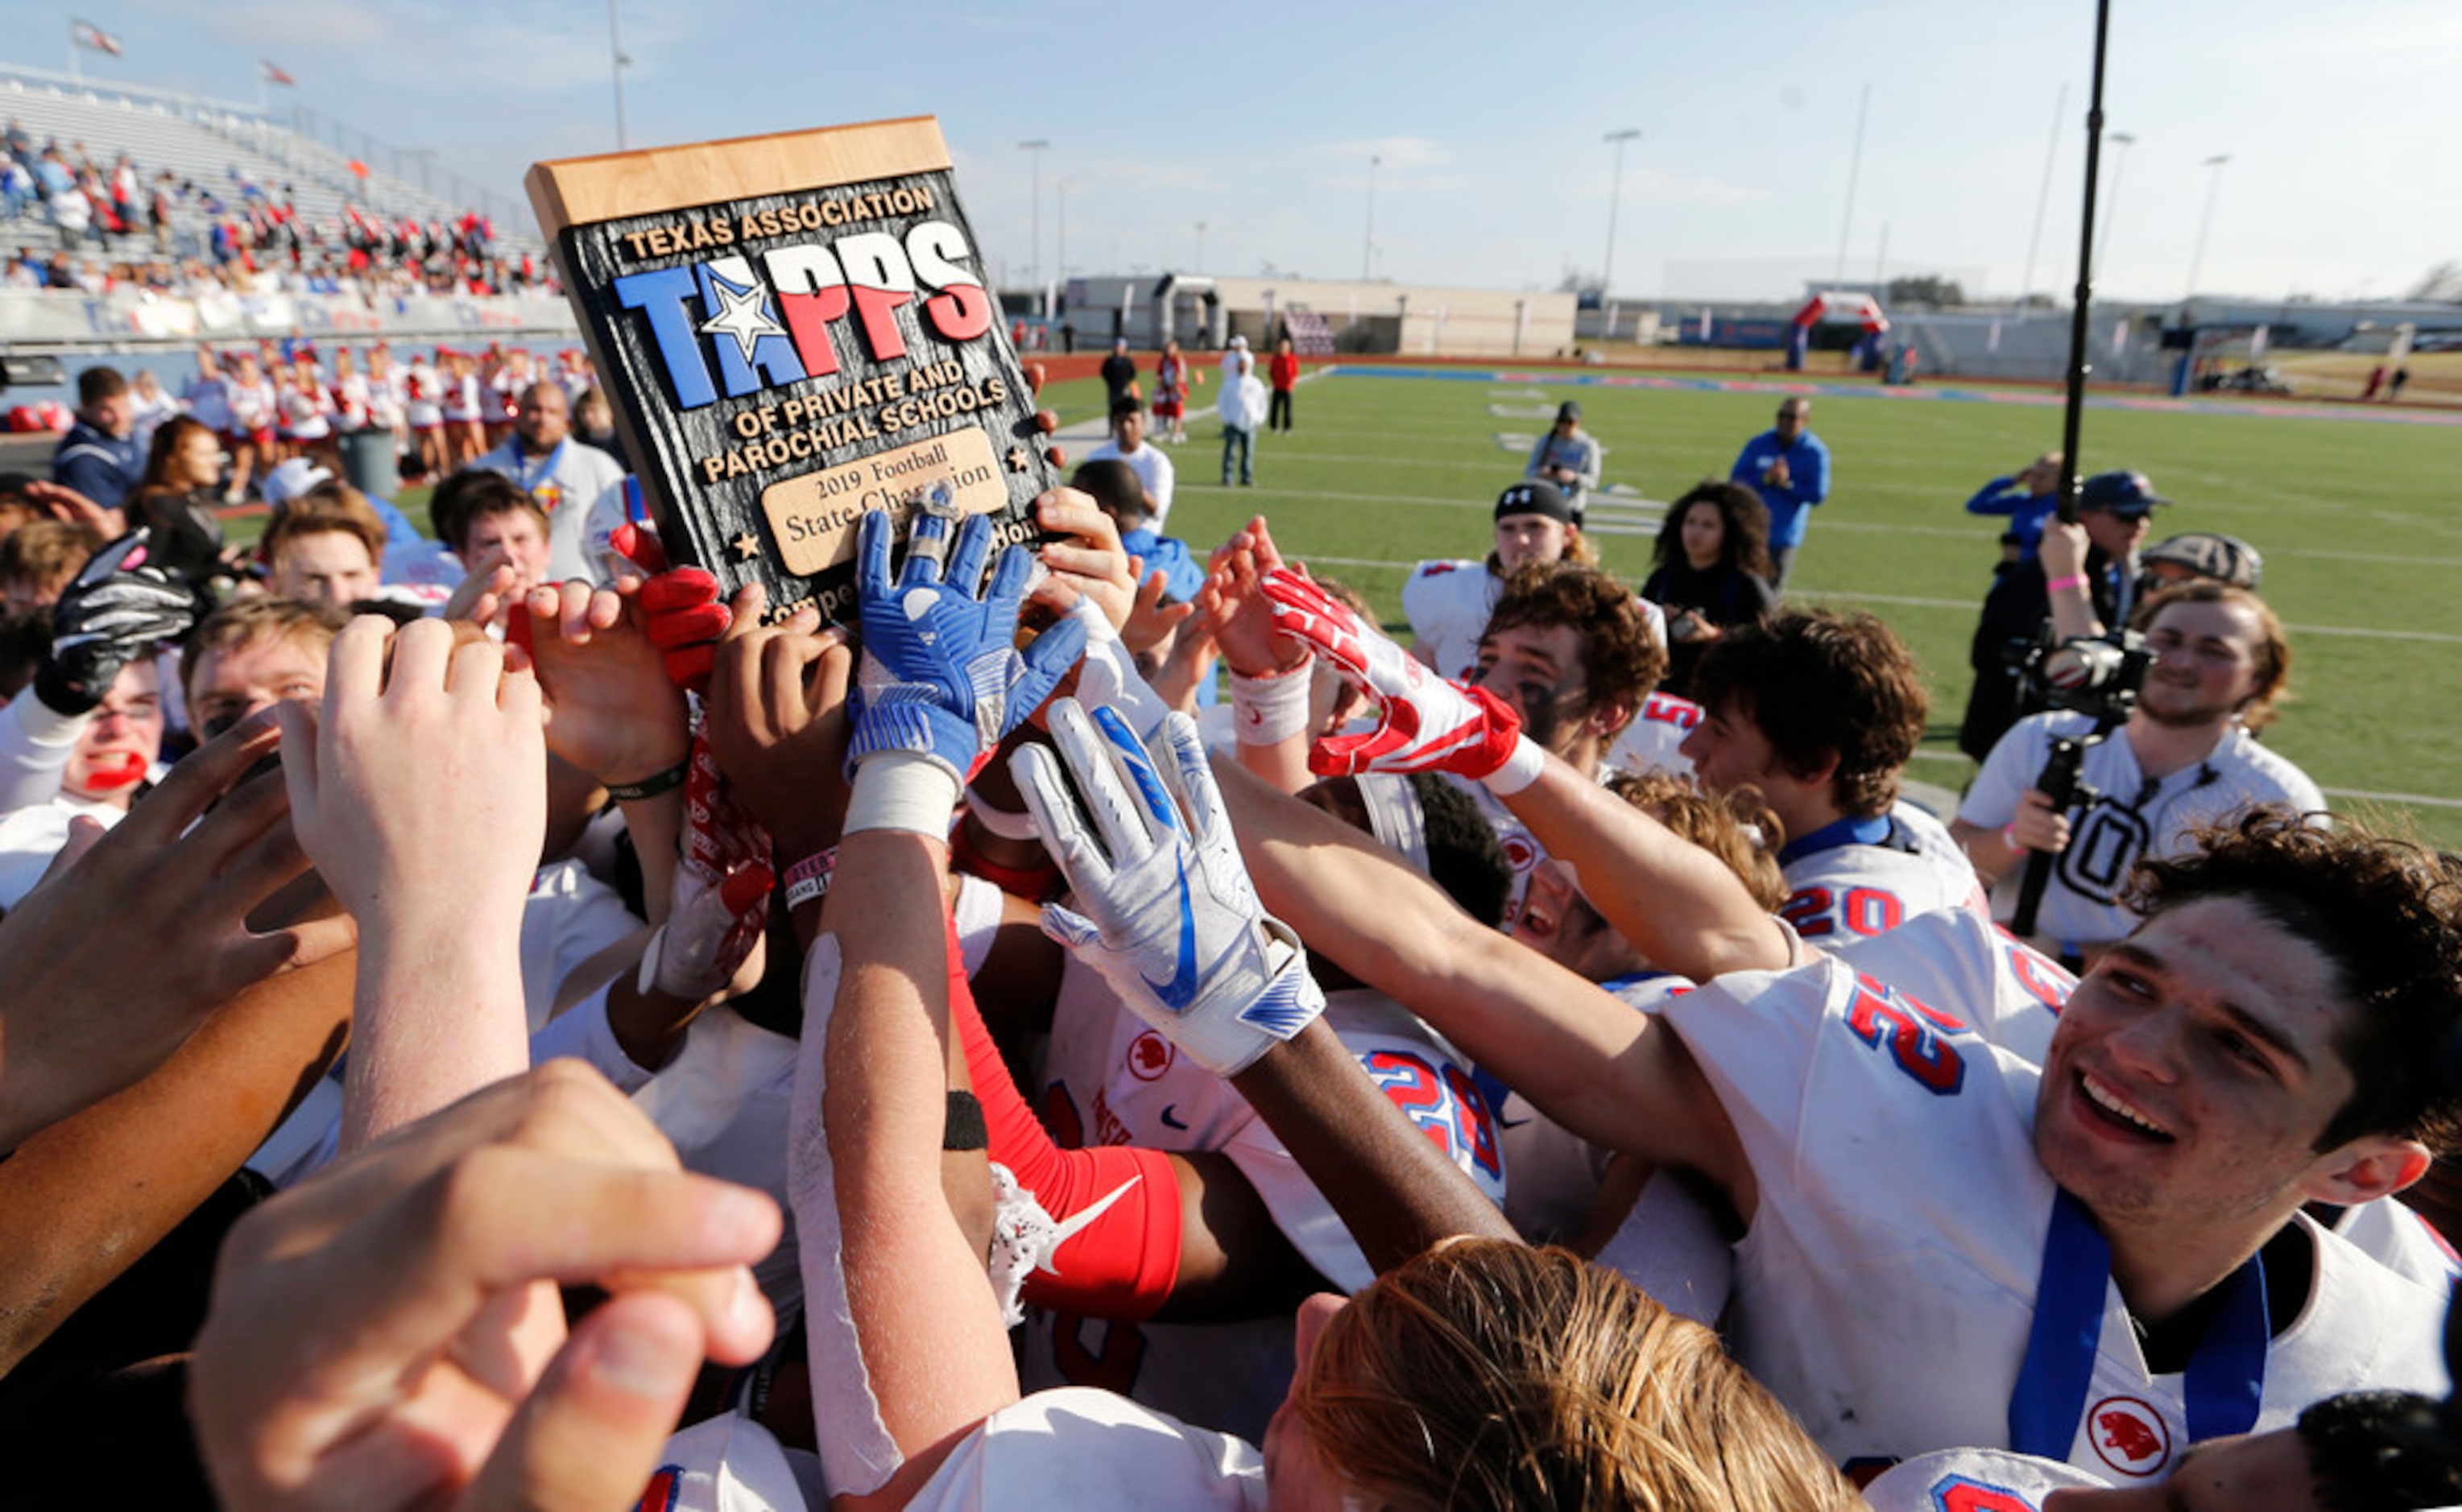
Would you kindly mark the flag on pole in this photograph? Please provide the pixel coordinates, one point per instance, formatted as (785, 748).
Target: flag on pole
(274, 74)
(85, 34)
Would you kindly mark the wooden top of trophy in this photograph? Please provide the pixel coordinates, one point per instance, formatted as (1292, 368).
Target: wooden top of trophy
(575, 191)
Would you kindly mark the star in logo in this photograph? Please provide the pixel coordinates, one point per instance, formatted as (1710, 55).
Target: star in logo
(746, 317)
(1017, 459)
(747, 547)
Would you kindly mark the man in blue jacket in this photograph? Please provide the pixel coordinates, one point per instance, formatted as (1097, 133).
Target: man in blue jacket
(99, 456)
(1789, 468)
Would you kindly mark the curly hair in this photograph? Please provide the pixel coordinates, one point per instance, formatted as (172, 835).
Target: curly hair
(1486, 1375)
(2272, 646)
(2386, 912)
(1819, 684)
(1736, 827)
(1621, 660)
(1743, 521)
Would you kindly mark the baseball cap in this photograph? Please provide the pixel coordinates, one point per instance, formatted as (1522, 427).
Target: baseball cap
(2225, 559)
(2125, 494)
(1569, 410)
(1536, 496)
(1238, 343)
(292, 479)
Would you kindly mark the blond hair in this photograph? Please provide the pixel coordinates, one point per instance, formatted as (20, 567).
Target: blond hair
(1486, 1375)
(1736, 827)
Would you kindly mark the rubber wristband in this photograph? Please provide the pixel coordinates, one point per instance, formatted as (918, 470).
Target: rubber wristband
(1272, 709)
(807, 881)
(2075, 580)
(2009, 837)
(902, 790)
(667, 781)
(1520, 768)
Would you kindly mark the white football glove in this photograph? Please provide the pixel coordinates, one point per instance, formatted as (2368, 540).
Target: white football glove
(1168, 916)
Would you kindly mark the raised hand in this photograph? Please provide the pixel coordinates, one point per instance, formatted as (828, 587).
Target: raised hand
(685, 619)
(1428, 724)
(92, 1008)
(777, 722)
(360, 1348)
(1163, 907)
(611, 710)
(122, 600)
(942, 677)
(717, 902)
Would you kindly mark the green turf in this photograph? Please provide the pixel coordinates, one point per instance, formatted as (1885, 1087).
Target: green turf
(2354, 518)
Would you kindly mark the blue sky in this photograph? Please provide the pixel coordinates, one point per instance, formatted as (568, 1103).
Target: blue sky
(1259, 119)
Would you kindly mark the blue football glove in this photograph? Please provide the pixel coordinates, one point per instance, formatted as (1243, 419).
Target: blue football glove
(941, 676)
(1169, 917)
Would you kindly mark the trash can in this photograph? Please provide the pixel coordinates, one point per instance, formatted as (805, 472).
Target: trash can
(369, 462)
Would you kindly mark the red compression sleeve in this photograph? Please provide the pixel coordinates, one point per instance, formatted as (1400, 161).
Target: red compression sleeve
(1122, 1262)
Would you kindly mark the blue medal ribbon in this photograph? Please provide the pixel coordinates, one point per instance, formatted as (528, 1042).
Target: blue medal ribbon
(2226, 1376)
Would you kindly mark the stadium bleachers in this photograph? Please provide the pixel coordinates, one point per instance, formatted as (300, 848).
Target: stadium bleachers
(219, 145)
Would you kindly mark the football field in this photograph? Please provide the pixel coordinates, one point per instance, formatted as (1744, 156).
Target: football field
(2360, 522)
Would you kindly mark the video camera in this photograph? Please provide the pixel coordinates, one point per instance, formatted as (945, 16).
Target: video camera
(2098, 675)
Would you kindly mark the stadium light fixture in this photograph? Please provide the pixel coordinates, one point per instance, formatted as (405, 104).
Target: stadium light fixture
(1035, 257)
(1615, 194)
(2205, 221)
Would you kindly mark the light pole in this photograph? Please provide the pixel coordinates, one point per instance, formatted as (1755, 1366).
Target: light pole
(1200, 248)
(620, 62)
(1368, 239)
(2111, 206)
(1615, 194)
(1060, 193)
(2205, 222)
(1034, 257)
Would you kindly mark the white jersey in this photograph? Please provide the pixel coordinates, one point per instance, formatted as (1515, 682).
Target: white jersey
(1113, 1080)
(459, 397)
(385, 398)
(1090, 1451)
(353, 395)
(252, 407)
(1649, 742)
(1863, 877)
(1153, 470)
(568, 917)
(2135, 819)
(1447, 603)
(1975, 1480)
(1885, 1289)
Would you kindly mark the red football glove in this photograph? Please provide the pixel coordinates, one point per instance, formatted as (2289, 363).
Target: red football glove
(685, 618)
(1427, 725)
(717, 904)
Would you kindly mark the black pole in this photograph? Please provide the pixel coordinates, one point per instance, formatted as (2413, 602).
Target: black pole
(2079, 318)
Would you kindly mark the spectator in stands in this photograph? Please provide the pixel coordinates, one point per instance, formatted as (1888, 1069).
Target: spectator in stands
(2113, 509)
(1789, 467)
(324, 547)
(580, 487)
(1710, 571)
(1568, 456)
(2027, 496)
(99, 456)
(1128, 443)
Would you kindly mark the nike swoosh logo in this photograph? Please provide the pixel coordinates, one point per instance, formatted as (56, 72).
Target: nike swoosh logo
(1077, 1222)
(1181, 990)
(1168, 1120)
